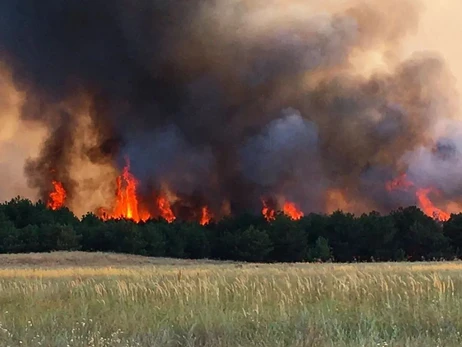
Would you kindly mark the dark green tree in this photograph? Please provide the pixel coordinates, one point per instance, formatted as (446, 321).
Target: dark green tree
(196, 242)
(452, 229)
(154, 238)
(9, 238)
(29, 239)
(93, 232)
(288, 238)
(320, 250)
(343, 233)
(377, 237)
(253, 245)
(418, 235)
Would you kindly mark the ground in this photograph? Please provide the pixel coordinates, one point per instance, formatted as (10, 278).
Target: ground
(98, 299)
(86, 259)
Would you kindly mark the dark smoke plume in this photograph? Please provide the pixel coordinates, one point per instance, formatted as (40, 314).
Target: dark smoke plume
(227, 100)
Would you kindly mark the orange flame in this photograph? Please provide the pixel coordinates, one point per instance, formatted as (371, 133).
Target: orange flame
(427, 206)
(206, 216)
(57, 196)
(165, 209)
(292, 211)
(289, 209)
(126, 205)
(268, 212)
(400, 182)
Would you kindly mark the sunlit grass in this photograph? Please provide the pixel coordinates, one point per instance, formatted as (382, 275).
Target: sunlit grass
(233, 305)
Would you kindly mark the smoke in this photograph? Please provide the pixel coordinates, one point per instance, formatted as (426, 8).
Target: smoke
(286, 145)
(19, 139)
(280, 158)
(439, 166)
(164, 156)
(228, 102)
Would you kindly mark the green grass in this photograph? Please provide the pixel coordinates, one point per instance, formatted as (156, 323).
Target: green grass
(203, 304)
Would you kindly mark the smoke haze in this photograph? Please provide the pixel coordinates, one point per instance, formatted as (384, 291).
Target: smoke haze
(225, 103)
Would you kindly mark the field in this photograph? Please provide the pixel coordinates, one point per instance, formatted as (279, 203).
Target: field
(78, 299)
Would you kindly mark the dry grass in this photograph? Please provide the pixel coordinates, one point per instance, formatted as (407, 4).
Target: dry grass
(96, 259)
(183, 303)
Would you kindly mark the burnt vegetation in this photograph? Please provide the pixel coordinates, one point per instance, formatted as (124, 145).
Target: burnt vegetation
(404, 234)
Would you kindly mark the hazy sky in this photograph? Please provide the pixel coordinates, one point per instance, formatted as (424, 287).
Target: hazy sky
(440, 29)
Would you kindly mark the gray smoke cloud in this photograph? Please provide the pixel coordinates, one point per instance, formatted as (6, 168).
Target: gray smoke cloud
(281, 158)
(229, 101)
(439, 166)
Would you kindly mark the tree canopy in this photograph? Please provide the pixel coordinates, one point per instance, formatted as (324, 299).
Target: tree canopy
(404, 234)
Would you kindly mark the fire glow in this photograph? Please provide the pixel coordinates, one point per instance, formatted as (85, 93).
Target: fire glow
(422, 194)
(292, 211)
(57, 196)
(288, 208)
(268, 212)
(127, 204)
(215, 120)
(165, 209)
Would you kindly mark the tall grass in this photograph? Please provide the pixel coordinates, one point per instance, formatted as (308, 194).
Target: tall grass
(228, 305)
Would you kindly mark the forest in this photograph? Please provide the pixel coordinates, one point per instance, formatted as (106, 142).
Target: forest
(405, 234)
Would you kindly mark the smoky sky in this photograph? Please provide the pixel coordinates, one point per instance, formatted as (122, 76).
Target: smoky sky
(226, 99)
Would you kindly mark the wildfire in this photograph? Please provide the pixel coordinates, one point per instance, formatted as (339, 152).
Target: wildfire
(126, 205)
(268, 212)
(292, 211)
(289, 209)
(428, 207)
(402, 182)
(165, 209)
(206, 216)
(57, 196)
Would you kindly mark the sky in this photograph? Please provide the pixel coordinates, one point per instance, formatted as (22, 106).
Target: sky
(440, 29)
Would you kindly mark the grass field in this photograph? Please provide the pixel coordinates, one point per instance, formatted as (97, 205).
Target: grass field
(78, 299)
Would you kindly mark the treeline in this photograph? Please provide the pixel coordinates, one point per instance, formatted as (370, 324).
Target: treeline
(404, 234)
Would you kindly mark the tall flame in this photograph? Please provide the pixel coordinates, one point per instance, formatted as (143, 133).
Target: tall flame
(292, 211)
(289, 209)
(165, 209)
(427, 206)
(402, 182)
(206, 216)
(57, 196)
(126, 205)
(268, 212)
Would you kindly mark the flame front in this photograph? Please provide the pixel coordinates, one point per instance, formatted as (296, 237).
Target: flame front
(427, 206)
(289, 209)
(126, 204)
(57, 196)
(403, 183)
(206, 216)
(268, 212)
(292, 211)
(165, 209)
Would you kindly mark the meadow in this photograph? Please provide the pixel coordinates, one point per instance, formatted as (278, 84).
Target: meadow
(78, 299)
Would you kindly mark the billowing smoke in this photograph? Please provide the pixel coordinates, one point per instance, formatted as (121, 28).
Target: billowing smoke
(280, 159)
(227, 102)
(19, 139)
